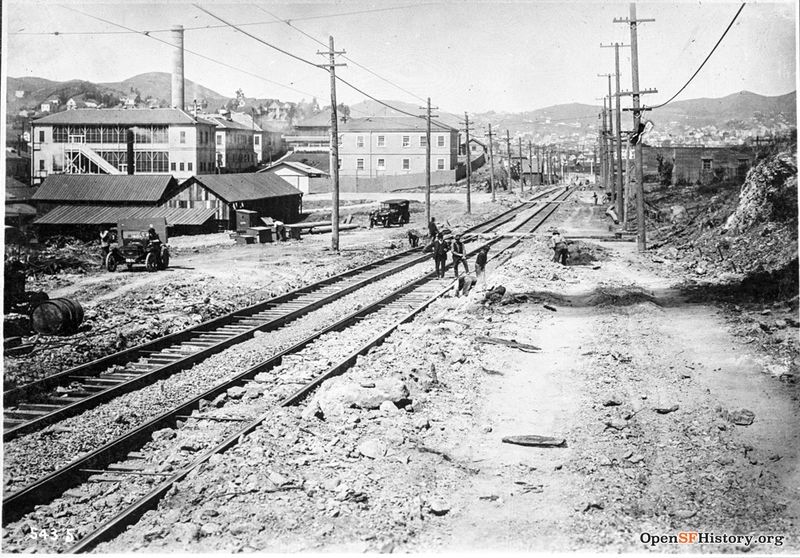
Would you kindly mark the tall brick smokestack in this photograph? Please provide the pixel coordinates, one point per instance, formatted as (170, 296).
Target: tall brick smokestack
(177, 67)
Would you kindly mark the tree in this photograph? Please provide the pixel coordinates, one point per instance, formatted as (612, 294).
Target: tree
(240, 99)
(664, 170)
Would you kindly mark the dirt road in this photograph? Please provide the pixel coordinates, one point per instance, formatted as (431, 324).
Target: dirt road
(652, 394)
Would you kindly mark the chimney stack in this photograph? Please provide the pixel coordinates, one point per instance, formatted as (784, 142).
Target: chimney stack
(177, 67)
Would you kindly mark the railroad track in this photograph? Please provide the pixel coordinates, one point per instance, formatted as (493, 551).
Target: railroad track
(43, 402)
(406, 302)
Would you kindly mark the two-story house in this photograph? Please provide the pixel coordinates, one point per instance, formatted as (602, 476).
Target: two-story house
(95, 141)
(384, 146)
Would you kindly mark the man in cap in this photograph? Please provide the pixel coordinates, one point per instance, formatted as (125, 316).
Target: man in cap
(154, 244)
(459, 255)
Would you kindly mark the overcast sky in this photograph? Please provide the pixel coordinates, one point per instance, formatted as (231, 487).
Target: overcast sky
(474, 56)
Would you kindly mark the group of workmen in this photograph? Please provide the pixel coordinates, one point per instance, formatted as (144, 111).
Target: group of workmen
(440, 248)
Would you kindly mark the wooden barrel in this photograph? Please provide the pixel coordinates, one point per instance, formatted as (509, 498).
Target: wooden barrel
(58, 316)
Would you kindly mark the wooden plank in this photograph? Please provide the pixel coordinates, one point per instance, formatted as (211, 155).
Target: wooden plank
(508, 343)
(534, 440)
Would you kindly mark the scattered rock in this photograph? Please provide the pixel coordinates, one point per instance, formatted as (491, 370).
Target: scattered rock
(163, 434)
(236, 392)
(486, 429)
(636, 458)
(389, 407)
(665, 410)
(593, 506)
(439, 507)
(372, 448)
(684, 514)
(743, 417)
(612, 401)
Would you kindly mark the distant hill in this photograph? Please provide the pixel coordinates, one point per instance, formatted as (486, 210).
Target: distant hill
(374, 108)
(744, 108)
(158, 85)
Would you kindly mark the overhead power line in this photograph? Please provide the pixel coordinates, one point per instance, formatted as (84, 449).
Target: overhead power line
(301, 59)
(204, 27)
(203, 56)
(685, 85)
(289, 23)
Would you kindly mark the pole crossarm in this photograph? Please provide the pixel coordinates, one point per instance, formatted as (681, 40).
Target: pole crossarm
(634, 21)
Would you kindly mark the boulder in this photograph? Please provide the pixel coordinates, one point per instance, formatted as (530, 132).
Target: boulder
(339, 394)
(372, 448)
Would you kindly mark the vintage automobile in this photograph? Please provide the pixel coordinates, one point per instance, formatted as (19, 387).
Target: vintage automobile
(134, 246)
(391, 212)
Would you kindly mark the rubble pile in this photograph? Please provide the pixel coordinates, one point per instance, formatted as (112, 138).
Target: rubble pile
(753, 235)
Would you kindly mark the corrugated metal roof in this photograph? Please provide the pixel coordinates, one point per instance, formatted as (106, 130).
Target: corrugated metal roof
(140, 188)
(101, 214)
(246, 186)
(16, 191)
(390, 124)
(127, 117)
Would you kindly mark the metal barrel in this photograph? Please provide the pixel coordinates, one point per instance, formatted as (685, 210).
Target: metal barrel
(57, 316)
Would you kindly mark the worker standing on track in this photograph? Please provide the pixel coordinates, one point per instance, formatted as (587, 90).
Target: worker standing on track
(480, 266)
(433, 230)
(459, 255)
(440, 248)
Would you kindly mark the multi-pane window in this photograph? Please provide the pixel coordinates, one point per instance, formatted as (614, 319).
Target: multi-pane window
(219, 139)
(381, 141)
(257, 140)
(406, 164)
(439, 164)
(41, 136)
(183, 136)
(172, 166)
(360, 141)
(440, 141)
(189, 167)
(360, 164)
(406, 141)
(180, 166)
(60, 134)
(381, 164)
(423, 141)
(706, 164)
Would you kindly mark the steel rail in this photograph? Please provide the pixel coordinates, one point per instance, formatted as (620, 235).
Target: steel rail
(130, 515)
(20, 502)
(181, 350)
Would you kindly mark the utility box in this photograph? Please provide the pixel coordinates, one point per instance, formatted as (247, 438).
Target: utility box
(262, 234)
(245, 219)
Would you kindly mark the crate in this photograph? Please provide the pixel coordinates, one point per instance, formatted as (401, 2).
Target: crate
(262, 234)
(246, 218)
(245, 239)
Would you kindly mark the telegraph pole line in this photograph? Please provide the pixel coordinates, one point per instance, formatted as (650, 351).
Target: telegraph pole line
(622, 209)
(530, 163)
(609, 130)
(468, 163)
(491, 161)
(508, 147)
(637, 123)
(427, 117)
(519, 140)
(331, 66)
(603, 147)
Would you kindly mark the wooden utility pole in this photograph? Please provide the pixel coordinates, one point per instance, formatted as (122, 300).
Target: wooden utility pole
(637, 121)
(530, 164)
(491, 161)
(508, 148)
(604, 148)
(469, 163)
(334, 159)
(427, 117)
(609, 143)
(519, 140)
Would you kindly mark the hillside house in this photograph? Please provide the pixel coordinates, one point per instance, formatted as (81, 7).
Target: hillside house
(88, 141)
